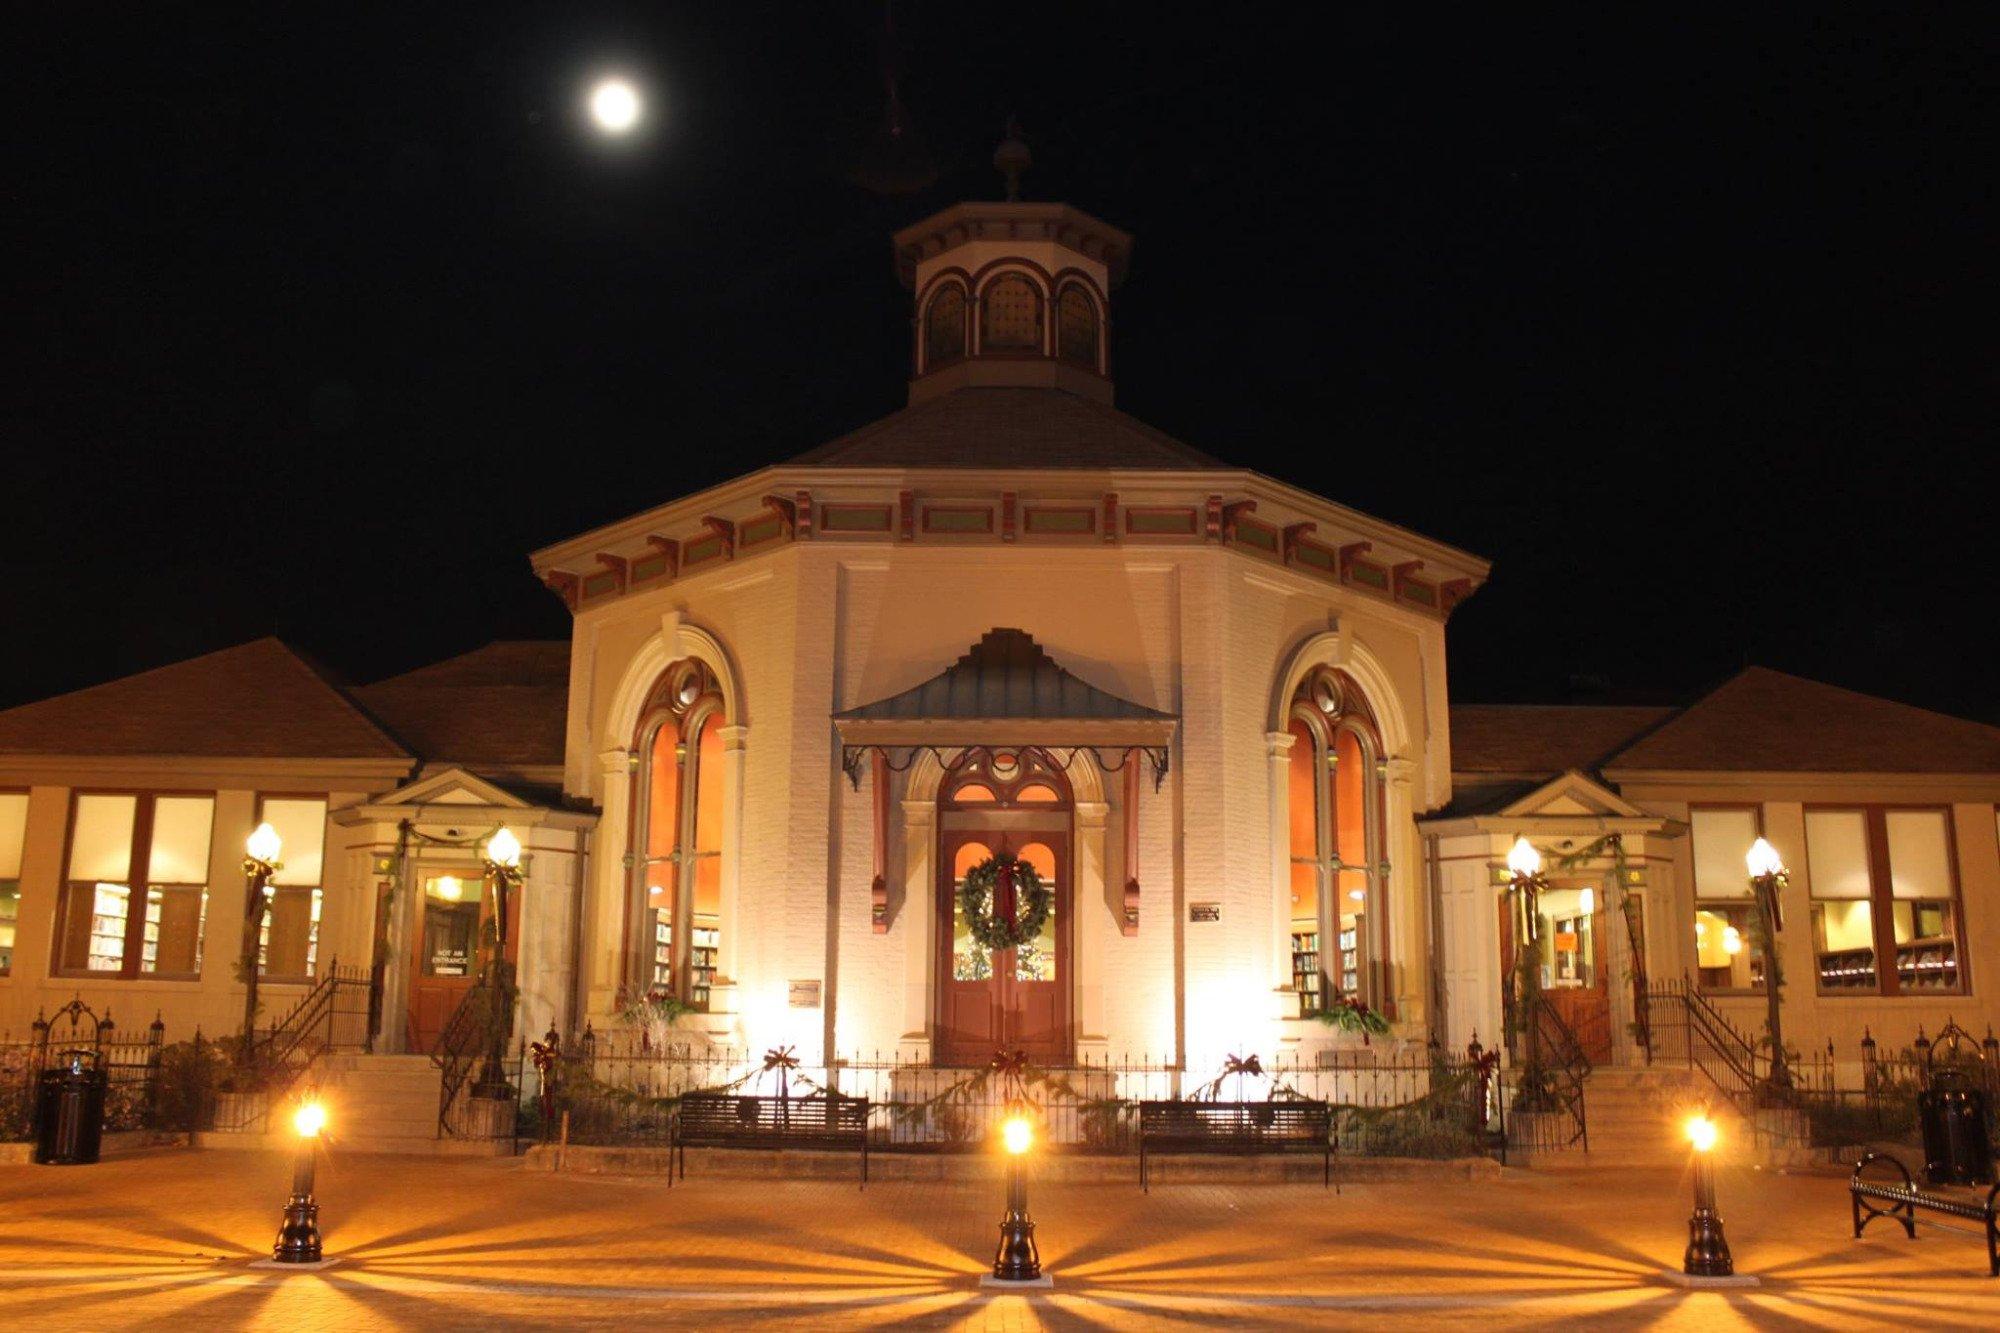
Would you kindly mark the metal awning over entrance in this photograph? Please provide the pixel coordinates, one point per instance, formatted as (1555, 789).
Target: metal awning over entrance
(1005, 694)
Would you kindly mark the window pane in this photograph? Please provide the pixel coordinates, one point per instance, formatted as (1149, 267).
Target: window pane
(1722, 839)
(969, 962)
(1076, 328)
(1036, 959)
(181, 826)
(94, 927)
(1844, 939)
(100, 846)
(1350, 803)
(944, 328)
(13, 831)
(291, 934)
(1919, 854)
(10, 916)
(1926, 945)
(451, 925)
(1837, 853)
(663, 792)
(301, 826)
(172, 944)
(1723, 956)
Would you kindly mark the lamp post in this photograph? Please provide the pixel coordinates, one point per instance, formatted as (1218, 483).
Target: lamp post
(260, 862)
(1526, 882)
(1708, 1249)
(298, 1235)
(503, 869)
(1017, 1261)
(1768, 879)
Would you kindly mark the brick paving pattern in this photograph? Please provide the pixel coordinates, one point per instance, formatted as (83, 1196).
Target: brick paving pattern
(163, 1238)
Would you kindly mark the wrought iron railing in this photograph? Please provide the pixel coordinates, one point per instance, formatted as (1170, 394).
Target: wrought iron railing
(1686, 1026)
(1562, 1072)
(467, 1040)
(606, 1089)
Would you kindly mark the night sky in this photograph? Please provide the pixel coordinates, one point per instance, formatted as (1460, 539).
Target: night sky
(324, 316)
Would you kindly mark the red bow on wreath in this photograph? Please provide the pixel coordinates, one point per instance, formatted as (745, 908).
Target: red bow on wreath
(1243, 1064)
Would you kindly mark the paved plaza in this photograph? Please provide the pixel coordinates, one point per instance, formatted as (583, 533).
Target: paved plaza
(164, 1237)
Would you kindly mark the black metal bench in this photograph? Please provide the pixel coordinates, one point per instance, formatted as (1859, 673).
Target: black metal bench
(1900, 1192)
(1235, 1127)
(725, 1120)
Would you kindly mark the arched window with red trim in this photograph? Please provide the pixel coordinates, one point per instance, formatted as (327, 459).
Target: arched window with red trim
(677, 836)
(1336, 800)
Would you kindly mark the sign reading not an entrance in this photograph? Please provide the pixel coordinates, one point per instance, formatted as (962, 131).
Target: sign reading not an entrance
(805, 994)
(1204, 911)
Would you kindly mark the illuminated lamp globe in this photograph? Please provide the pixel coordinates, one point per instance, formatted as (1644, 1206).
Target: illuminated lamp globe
(1523, 860)
(615, 106)
(504, 849)
(1586, 900)
(1017, 1135)
(309, 1120)
(264, 844)
(1702, 1133)
(1762, 859)
(450, 888)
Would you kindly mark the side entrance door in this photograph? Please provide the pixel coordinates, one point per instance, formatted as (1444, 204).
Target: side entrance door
(454, 930)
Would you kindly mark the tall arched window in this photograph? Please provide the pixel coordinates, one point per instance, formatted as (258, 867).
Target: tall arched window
(677, 835)
(1337, 849)
(1076, 327)
(1010, 317)
(944, 327)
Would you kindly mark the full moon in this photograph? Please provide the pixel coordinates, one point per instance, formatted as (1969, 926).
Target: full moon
(614, 105)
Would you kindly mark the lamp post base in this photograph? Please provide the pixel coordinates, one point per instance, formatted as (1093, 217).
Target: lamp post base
(989, 1282)
(280, 1266)
(1697, 1282)
(298, 1236)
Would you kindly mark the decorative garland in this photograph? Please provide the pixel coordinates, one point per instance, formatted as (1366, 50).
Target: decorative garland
(976, 903)
(1350, 1013)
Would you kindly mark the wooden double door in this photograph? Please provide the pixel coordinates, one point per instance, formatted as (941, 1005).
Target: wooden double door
(992, 1000)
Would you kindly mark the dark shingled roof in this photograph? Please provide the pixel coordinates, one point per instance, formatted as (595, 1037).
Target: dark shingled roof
(258, 700)
(1766, 721)
(1542, 738)
(504, 704)
(1009, 428)
(1006, 675)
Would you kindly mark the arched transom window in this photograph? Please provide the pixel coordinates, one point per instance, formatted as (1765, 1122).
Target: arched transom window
(944, 327)
(677, 835)
(1006, 780)
(1076, 327)
(1336, 803)
(1010, 315)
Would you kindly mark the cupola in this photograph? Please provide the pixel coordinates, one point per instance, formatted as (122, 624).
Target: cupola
(1011, 293)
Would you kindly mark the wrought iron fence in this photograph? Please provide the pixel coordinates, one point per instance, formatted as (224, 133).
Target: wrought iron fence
(130, 1061)
(619, 1089)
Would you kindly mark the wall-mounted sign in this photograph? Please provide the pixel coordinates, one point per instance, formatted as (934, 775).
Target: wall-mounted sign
(805, 994)
(1204, 911)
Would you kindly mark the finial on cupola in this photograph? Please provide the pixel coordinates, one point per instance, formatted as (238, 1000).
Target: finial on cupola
(1012, 158)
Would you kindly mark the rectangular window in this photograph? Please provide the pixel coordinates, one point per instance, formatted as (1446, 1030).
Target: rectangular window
(1884, 901)
(288, 946)
(116, 841)
(13, 833)
(1725, 910)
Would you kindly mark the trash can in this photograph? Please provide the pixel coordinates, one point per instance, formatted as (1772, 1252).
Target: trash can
(1953, 1117)
(69, 1110)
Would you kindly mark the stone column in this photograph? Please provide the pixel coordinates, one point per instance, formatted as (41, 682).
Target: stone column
(1405, 955)
(1093, 930)
(603, 951)
(917, 921)
(1278, 754)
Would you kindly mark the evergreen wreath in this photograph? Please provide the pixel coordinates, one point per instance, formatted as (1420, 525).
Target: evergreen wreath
(1033, 901)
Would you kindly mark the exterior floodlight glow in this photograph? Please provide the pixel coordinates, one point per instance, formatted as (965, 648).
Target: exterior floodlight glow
(1763, 859)
(1018, 1135)
(1586, 901)
(263, 844)
(504, 849)
(309, 1119)
(1702, 1133)
(615, 106)
(1523, 859)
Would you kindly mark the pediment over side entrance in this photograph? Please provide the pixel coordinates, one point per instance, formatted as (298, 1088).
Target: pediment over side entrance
(1573, 793)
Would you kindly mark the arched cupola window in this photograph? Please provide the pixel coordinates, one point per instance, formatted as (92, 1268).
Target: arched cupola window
(944, 327)
(1077, 327)
(677, 834)
(1010, 318)
(1336, 800)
